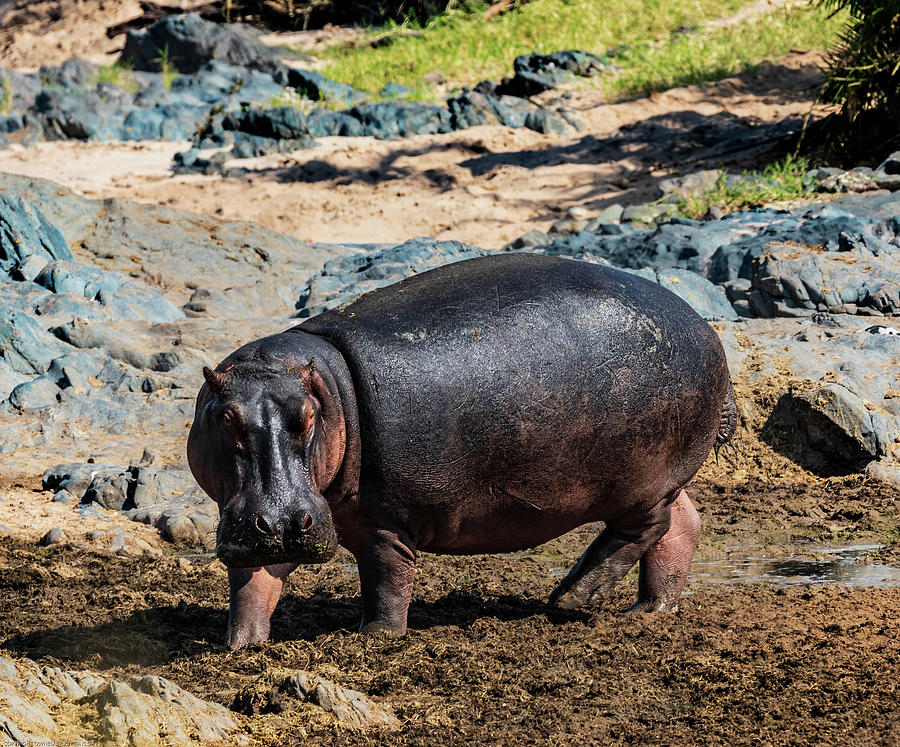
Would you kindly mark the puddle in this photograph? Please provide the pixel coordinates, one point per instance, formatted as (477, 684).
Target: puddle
(836, 565)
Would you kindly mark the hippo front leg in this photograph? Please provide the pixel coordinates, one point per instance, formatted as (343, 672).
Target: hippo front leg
(664, 567)
(387, 567)
(254, 595)
(610, 557)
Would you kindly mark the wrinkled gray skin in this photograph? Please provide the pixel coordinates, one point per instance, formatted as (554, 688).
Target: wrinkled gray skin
(486, 406)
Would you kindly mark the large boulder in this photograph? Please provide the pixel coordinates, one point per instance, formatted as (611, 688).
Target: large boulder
(187, 42)
(788, 280)
(25, 233)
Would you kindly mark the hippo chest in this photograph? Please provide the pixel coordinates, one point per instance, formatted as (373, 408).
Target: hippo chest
(525, 392)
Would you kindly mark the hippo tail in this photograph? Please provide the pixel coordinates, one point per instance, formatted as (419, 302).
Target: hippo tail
(727, 421)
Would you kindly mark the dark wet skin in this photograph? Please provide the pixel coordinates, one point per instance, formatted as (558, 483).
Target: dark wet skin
(486, 406)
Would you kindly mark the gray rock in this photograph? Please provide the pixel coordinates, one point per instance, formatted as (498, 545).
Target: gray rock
(698, 181)
(890, 165)
(791, 282)
(25, 346)
(346, 277)
(350, 707)
(53, 536)
(63, 496)
(833, 427)
(189, 42)
(647, 213)
(25, 233)
(38, 394)
(109, 491)
(76, 477)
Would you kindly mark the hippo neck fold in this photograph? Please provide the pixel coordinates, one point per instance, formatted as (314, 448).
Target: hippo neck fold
(335, 374)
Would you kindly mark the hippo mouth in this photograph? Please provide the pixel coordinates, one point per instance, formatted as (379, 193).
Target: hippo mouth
(317, 544)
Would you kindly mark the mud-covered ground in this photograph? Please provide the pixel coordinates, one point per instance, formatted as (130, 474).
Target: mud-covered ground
(486, 661)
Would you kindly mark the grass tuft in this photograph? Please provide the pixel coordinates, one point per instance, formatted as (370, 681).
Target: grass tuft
(168, 70)
(117, 74)
(6, 96)
(783, 180)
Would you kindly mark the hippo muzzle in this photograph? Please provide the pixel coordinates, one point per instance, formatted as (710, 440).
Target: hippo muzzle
(301, 532)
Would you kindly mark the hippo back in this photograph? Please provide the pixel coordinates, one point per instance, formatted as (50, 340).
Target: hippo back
(526, 385)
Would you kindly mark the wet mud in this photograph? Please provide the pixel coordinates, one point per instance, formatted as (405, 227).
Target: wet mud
(487, 662)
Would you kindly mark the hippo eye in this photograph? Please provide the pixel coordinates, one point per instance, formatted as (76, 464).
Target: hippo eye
(230, 426)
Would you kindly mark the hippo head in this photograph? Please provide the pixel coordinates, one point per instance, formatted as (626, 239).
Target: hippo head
(268, 438)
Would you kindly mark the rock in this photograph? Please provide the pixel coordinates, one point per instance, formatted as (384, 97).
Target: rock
(694, 183)
(532, 238)
(344, 278)
(283, 122)
(611, 214)
(25, 346)
(26, 233)
(350, 707)
(647, 213)
(394, 91)
(123, 297)
(535, 73)
(315, 86)
(706, 299)
(63, 496)
(73, 73)
(38, 394)
(186, 42)
(108, 491)
(388, 120)
(76, 477)
(884, 470)
(789, 282)
(890, 165)
(53, 536)
(848, 181)
(833, 426)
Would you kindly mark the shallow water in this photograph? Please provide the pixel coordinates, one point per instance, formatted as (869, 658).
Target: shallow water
(835, 565)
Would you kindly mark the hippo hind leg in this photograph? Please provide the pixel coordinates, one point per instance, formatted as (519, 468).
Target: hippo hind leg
(663, 541)
(664, 567)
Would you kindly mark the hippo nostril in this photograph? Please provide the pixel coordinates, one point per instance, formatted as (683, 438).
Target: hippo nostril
(307, 523)
(263, 526)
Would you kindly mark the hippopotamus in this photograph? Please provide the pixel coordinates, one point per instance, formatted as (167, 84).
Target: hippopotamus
(485, 406)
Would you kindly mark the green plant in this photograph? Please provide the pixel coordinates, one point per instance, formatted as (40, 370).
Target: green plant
(863, 77)
(783, 180)
(6, 96)
(168, 70)
(117, 74)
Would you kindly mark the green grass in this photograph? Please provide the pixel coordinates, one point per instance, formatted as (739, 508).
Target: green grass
(6, 96)
(169, 72)
(783, 180)
(722, 52)
(117, 74)
(467, 49)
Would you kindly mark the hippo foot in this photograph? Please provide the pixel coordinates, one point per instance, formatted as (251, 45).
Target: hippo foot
(247, 633)
(651, 605)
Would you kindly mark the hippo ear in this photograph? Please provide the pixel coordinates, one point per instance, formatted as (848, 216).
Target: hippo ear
(216, 381)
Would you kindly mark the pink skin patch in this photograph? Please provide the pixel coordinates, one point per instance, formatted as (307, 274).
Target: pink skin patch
(254, 595)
